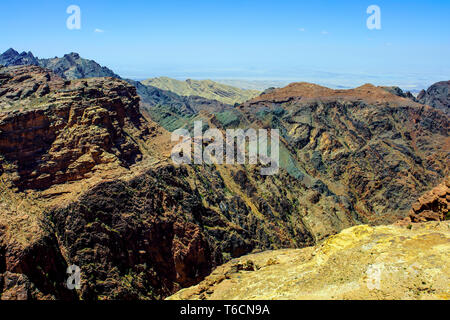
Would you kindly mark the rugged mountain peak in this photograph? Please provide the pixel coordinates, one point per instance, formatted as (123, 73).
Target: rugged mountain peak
(437, 96)
(11, 57)
(10, 53)
(71, 66)
(308, 91)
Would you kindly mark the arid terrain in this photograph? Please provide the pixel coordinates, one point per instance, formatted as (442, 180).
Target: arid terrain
(86, 179)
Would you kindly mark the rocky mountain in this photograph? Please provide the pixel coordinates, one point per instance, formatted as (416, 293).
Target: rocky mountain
(375, 149)
(86, 180)
(360, 263)
(438, 96)
(95, 189)
(12, 58)
(70, 66)
(203, 88)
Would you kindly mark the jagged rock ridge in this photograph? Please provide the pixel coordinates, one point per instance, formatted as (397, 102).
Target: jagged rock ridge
(55, 131)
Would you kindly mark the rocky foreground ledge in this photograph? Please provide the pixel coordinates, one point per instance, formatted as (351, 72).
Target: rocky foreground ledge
(386, 262)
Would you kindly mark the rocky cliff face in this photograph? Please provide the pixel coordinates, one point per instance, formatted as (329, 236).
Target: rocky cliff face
(54, 131)
(437, 96)
(387, 262)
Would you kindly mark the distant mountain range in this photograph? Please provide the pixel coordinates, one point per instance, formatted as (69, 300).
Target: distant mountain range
(185, 98)
(203, 88)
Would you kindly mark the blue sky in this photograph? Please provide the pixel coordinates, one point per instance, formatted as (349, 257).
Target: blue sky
(319, 41)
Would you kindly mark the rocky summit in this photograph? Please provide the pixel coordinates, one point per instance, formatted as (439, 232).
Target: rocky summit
(438, 96)
(363, 263)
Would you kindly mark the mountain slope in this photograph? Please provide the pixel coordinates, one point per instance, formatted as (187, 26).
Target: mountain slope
(203, 88)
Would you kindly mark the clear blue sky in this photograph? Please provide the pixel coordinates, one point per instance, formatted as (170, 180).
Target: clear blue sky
(260, 39)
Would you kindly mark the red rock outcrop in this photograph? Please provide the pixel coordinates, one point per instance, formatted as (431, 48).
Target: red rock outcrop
(432, 206)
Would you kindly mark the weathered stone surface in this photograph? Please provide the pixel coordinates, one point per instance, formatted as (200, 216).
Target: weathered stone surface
(386, 262)
(432, 206)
